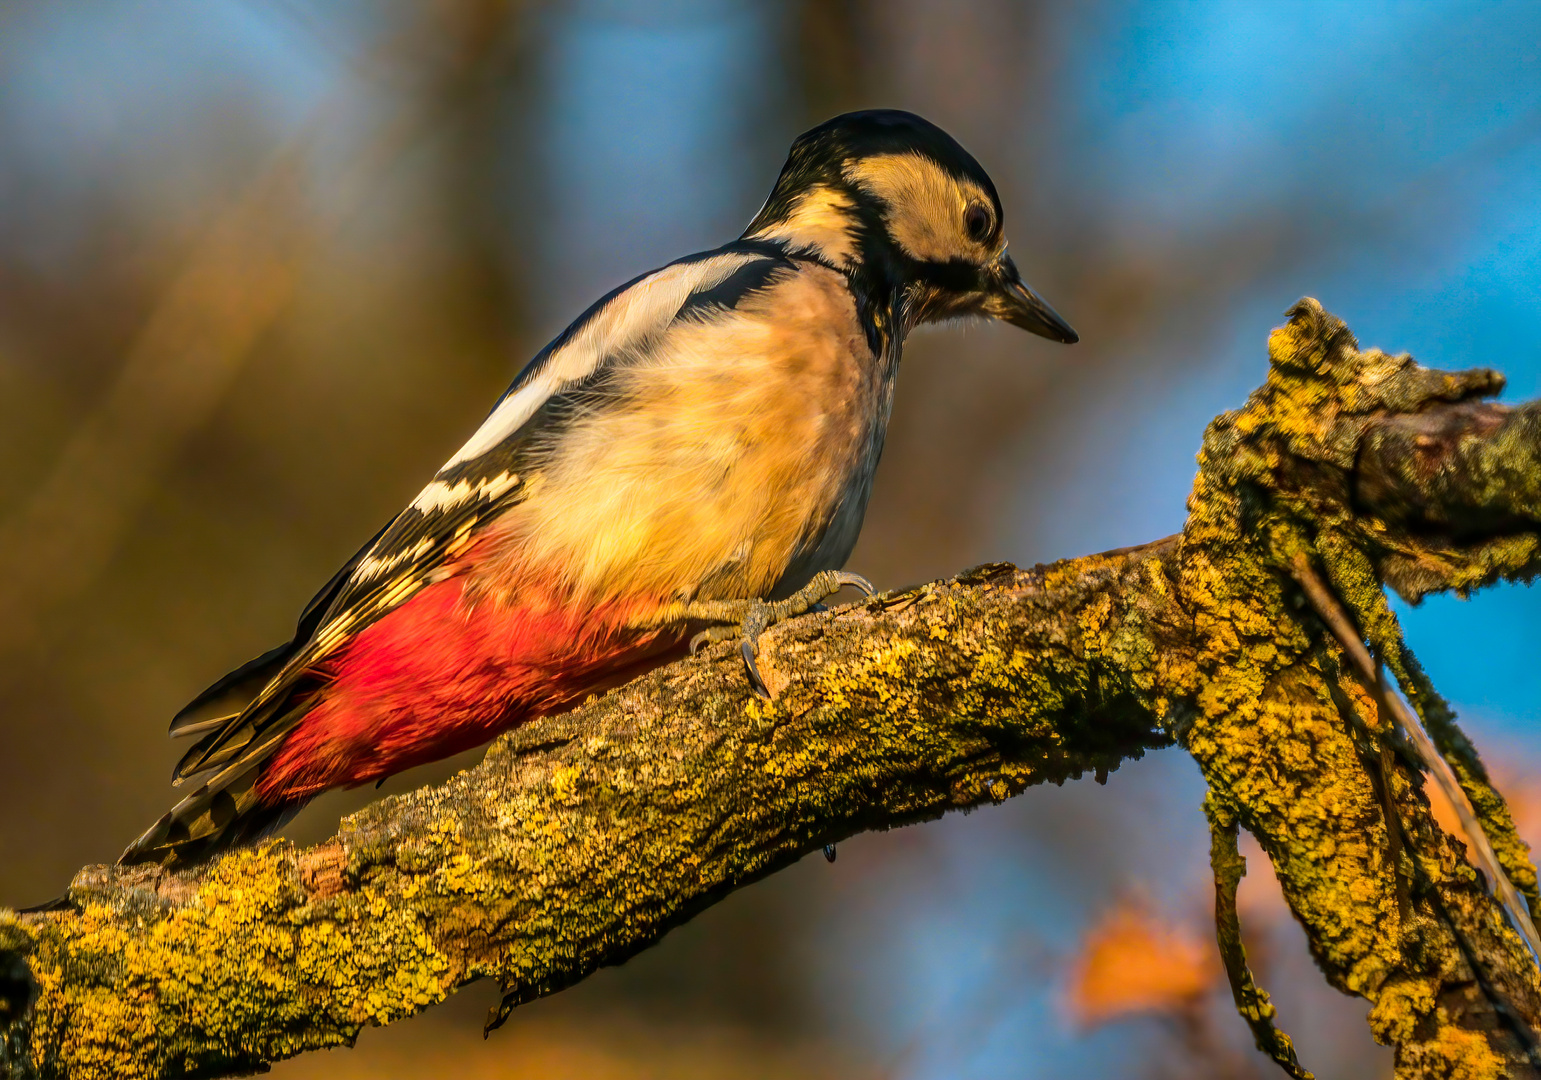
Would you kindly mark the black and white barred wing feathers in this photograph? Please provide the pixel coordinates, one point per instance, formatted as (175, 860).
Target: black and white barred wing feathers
(257, 706)
(483, 479)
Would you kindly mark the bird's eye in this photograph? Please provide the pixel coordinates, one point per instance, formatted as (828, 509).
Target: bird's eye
(976, 222)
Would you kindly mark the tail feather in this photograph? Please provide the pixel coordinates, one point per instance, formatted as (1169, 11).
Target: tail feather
(202, 727)
(231, 692)
(224, 811)
(203, 755)
(240, 722)
(242, 737)
(185, 769)
(235, 690)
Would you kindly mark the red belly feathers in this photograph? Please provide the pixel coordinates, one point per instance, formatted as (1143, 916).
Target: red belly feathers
(445, 672)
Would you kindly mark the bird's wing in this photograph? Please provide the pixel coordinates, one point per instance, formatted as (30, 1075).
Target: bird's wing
(483, 479)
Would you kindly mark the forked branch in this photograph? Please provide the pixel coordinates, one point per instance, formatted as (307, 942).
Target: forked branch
(583, 838)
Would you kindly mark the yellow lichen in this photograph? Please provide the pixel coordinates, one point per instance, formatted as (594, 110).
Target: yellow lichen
(557, 856)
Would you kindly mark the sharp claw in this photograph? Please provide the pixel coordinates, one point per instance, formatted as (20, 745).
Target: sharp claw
(710, 636)
(756, 683)
(759, 614)
(856, 581)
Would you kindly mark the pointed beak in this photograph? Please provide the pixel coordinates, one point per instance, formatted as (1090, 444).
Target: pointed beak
(1010, 300)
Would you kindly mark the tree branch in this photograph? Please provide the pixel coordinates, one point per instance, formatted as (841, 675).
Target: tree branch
(583, 838)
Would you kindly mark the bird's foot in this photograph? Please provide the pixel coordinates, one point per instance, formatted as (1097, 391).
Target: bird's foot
(748, 619)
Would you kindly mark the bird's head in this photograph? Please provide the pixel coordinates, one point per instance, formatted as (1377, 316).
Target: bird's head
(894, 201)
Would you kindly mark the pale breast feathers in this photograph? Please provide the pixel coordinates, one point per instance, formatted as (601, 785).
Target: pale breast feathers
(705, 467)
(688, 434)
(495, 467)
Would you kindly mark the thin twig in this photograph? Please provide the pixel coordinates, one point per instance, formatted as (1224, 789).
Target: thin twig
(1331, 612)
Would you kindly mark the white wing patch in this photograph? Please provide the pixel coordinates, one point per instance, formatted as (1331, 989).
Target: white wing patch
(371, 567)
(627, 322)
(439, 496)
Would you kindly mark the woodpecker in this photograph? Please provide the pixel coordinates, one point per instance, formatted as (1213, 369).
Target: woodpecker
(695, 451)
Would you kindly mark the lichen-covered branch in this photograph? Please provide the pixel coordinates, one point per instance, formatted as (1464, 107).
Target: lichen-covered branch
(583, 838)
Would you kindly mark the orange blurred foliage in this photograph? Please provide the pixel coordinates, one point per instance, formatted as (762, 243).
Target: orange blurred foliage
(1520, 788)
(1133, 961)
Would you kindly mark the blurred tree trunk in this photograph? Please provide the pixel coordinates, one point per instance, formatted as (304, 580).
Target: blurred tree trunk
(1252, 640)
(469, 82)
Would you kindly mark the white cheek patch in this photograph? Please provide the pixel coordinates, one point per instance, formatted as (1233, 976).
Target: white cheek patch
(626, 323)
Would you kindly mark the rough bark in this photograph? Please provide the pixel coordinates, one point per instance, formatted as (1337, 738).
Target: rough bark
(583, 838)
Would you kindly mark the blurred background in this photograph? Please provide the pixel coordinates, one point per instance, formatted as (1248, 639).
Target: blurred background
(264, 265)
